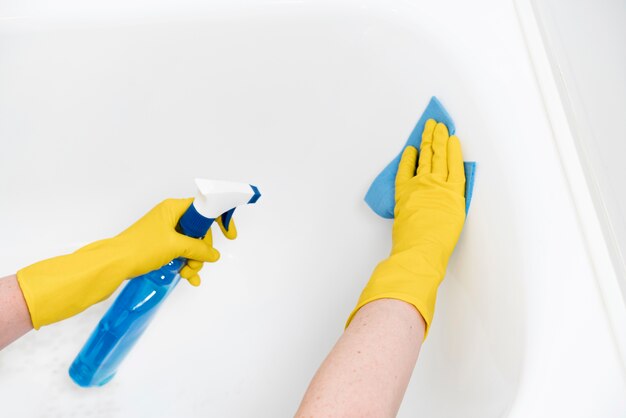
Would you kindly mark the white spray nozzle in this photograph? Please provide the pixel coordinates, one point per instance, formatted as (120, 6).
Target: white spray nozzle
(216, 197)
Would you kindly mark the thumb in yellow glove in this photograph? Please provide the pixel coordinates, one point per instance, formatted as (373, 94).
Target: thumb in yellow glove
(429, 217)
(60, 287)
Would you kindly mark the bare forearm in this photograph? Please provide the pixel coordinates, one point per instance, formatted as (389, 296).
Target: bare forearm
(14, 315)
(368, 370)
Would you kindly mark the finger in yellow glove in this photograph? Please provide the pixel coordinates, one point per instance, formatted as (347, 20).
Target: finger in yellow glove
(60, 287)
(429, 217)
(193, 267)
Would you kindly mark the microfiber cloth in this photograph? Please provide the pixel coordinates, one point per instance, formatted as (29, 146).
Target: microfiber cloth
(381, 194)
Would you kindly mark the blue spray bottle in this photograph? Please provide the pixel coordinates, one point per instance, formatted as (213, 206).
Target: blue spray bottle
(131, 313)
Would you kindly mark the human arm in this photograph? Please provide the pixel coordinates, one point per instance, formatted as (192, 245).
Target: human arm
(14, 317)
(368, 370)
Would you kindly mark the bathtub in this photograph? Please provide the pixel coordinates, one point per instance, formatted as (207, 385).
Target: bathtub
(107, 109)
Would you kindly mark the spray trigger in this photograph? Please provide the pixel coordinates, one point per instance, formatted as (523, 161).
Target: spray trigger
(226, 217)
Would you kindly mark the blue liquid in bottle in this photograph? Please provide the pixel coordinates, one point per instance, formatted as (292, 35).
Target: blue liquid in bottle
(123, 324)
(131, 313)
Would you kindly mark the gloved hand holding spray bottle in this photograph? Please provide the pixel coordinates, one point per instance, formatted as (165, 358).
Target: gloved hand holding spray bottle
(128, 317)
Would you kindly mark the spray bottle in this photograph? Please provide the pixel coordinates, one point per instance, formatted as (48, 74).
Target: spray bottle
(131, 313)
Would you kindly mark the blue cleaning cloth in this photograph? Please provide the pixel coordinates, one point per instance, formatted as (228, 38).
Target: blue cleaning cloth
(381, 194)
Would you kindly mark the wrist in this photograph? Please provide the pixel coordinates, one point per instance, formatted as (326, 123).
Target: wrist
(14, 314)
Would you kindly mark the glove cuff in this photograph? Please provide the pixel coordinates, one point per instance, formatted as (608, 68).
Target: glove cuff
(60, 287)
(416, 285)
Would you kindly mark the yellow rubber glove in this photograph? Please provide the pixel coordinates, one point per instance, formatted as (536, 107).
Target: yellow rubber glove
(61, 287)
(429, 217)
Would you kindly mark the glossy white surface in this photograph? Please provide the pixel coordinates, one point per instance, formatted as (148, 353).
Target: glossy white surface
(584, 90)
(585, 38)
(105, 112)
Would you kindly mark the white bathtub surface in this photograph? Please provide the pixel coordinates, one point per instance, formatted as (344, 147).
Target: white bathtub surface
(105, 112)
(583, 40)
